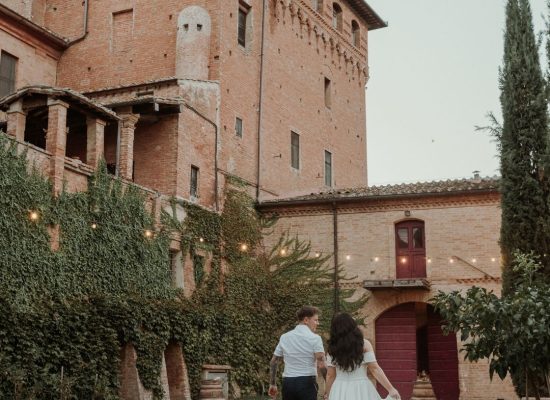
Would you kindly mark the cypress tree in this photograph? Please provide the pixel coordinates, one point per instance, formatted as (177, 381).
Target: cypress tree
(523, 145)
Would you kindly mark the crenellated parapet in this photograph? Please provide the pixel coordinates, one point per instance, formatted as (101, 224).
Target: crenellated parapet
(328, 39)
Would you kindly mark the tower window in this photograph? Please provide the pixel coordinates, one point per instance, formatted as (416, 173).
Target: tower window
(337, 17)
(295, 150)
(244, 24)
(194, 184)
(239, 127)
(328, 98)
(328, 168)
(355, 34)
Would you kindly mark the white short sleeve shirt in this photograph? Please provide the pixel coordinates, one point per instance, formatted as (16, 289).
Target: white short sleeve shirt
(298, 348)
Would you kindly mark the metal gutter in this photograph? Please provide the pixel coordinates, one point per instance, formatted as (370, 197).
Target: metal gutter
(260, 100)
(85, 27)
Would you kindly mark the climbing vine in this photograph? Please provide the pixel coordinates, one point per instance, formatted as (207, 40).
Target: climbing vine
(66, 314)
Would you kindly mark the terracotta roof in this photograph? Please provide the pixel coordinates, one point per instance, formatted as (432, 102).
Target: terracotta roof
(61, 93)
(369, 15)
(454, 186)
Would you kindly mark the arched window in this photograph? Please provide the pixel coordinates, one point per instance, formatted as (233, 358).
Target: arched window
(317, 5)
(337, 17)
(355, 34)
(410, 249)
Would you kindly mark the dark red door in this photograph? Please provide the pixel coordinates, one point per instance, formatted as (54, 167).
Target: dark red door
(410, 250)
(442, 359)
(396, 347)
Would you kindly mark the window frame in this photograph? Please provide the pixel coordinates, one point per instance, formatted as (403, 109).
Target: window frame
(337, 17)
(194, 182)
(355, 33)
(328, 93)
(243, 29)
(239, 124)
(328, 170)
(10, 82)
(295, 150)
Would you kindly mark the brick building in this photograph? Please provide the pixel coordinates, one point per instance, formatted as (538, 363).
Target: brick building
(178, 95)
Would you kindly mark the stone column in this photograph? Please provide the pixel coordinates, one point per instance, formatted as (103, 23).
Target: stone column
(56, 141)
(95, 141)
(17, 119)
(126, 159)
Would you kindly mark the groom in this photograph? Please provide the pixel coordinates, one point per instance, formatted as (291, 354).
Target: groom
(303, 353)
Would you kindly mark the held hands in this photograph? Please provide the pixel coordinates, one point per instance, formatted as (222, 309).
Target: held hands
(272, 391)
(394, 394)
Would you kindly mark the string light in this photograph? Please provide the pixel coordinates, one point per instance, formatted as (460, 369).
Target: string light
(317, 255)
(403, 260)
(493, 259)
(244, 247)
(429, 260)
(376, 259)
(348, 257)
(451, 260)
(283, 252)
(94, 225)
(148, 233)
(201, 240)
(34, 216)
(474, 260)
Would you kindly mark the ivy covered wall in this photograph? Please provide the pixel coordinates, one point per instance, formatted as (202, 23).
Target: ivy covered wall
(65, 314)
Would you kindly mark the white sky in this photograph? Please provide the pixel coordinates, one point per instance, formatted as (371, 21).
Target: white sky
(433, 77)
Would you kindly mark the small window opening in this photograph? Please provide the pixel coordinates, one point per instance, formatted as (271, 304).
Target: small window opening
(328, 97)
(355, 34)
(295, 150)
(328, 168)
(194, 185)
(337, 17)
(239, 127)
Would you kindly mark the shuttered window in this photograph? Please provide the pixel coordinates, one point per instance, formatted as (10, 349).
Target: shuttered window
(8, 65)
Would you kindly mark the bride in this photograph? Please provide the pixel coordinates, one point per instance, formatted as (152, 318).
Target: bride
(348, 352)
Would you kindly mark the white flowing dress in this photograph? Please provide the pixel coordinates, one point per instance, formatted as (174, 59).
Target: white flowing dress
(354, 385)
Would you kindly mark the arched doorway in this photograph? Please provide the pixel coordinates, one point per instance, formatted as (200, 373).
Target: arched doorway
(409, 340)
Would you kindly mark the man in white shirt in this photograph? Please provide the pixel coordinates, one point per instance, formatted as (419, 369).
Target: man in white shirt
(303, 353)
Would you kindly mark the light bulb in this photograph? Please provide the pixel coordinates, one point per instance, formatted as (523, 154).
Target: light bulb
(148, 233)
(33, 215)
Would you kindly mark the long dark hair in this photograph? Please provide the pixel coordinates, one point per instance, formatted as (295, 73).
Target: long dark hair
(346, 343)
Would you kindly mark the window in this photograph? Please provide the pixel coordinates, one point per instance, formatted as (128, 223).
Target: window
(198, 269)
(295, 150)
(7, 73)
(355, 34)
(410, 249)
(194, 186)
(337, 17)
(317, 5)
(239, 127)
(328, 168)
(328, 99)
(244, 21)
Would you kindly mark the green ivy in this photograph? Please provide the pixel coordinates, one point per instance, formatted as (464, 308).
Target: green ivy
(65, 314)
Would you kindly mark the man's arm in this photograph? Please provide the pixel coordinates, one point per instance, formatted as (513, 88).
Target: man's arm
(273, 365)
(321, 364)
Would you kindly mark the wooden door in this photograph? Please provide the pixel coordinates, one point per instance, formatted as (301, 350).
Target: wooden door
(442, 359)
(396, 347)
(410, 250)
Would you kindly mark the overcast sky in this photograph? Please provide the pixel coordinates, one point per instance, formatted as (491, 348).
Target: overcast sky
(433, 78)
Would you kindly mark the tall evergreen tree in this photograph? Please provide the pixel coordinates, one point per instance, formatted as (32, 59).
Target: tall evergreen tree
(523, 144)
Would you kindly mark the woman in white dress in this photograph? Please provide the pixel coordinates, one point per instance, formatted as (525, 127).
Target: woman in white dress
(348, 353)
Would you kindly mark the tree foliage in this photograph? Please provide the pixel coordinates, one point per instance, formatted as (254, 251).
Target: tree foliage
(523, 144)
(511, 331)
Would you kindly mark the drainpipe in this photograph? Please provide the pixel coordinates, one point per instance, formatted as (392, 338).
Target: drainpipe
(335, 242)
(85, 27)
(260, 100)
(216, 205)
(117, 165)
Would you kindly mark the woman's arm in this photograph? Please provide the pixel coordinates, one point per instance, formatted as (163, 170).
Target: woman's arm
(331, 375)
(379, 374)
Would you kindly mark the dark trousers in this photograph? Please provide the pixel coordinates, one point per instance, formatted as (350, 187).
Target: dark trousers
(300, 388)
